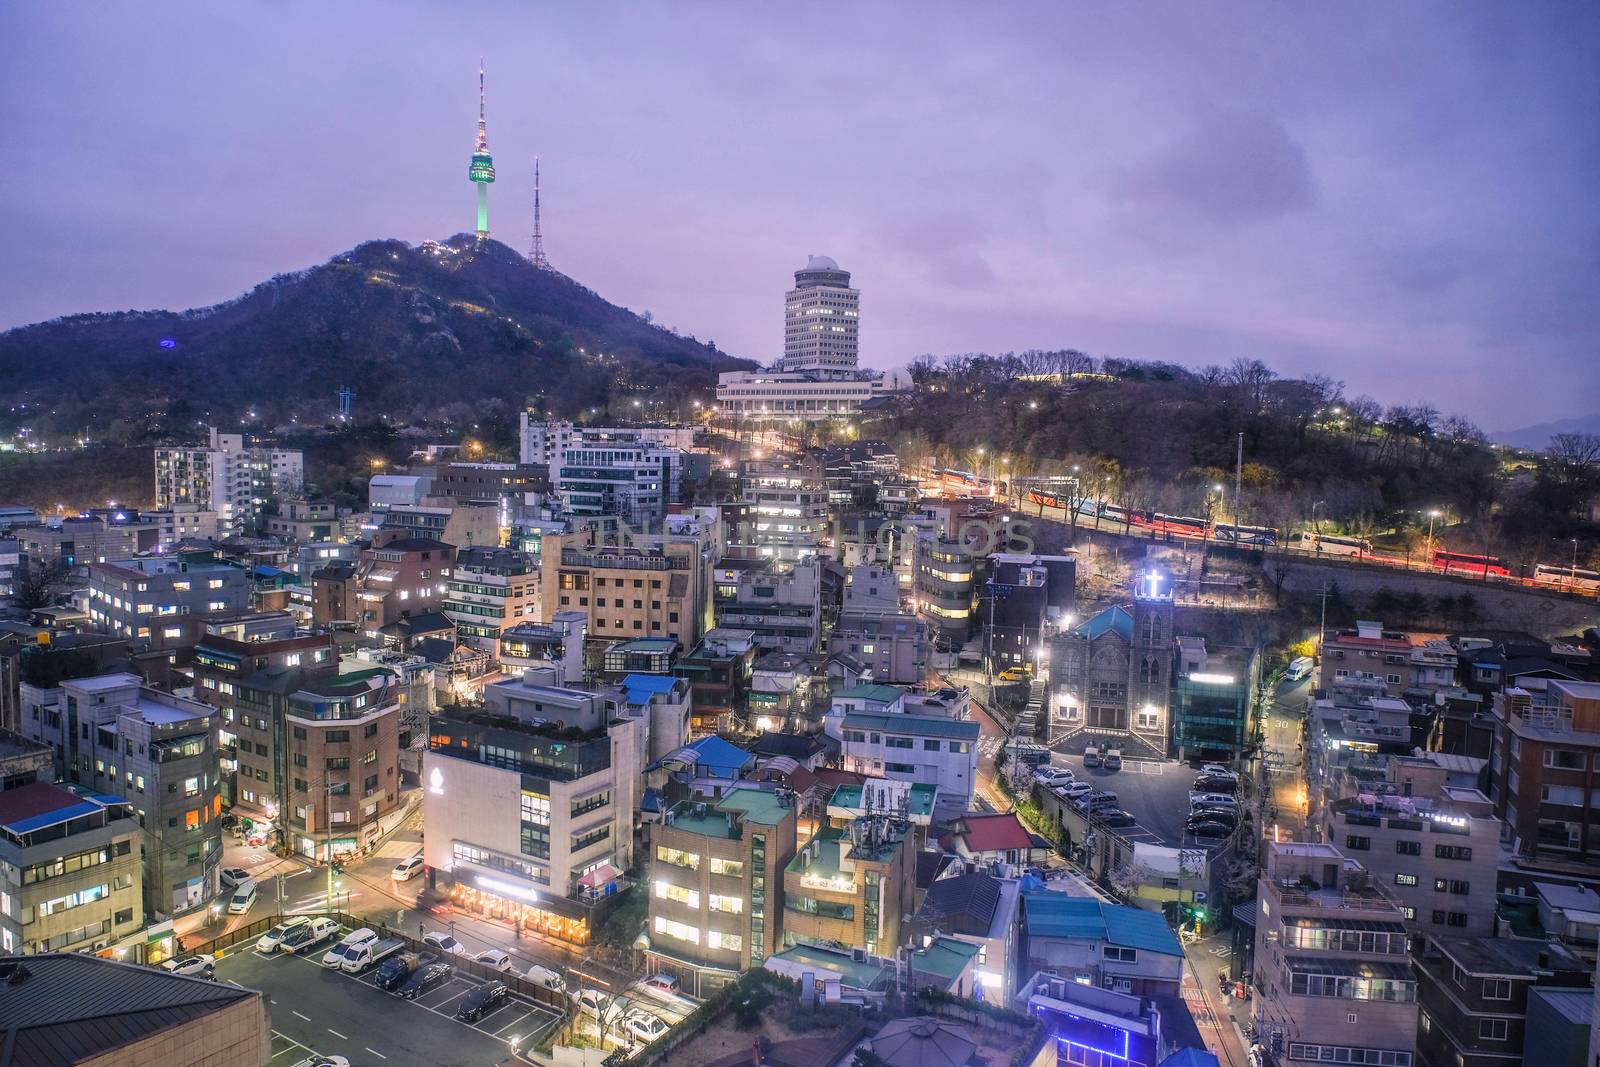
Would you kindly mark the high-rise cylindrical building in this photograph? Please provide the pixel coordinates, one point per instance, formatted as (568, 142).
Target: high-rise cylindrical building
(481, 170)
(820, 318)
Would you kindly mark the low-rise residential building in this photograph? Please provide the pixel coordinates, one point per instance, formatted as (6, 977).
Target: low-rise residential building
(80, 539)
(893, 645)
(853, 885)
(916, 747)
(945, 590)
(1474, 995)
(655, 586)
(393, 580)
(491, 590)
(530, 811)
(1543, 768)
(786, 512)
(981, 908)
(1369, 649)
(786, 694)
(719, 669)
(158, 752)
(1434, 848)
(462, 523)
(781, 605)
(557, 642)
(1109, 946)
(143, 598)
(717, 886)
(986, 839)
(70, 867)
(1331, 975)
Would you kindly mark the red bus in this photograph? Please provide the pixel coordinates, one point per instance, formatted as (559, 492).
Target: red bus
(1465, 563)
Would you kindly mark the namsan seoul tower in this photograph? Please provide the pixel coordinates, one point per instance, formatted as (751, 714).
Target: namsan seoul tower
(481, 172)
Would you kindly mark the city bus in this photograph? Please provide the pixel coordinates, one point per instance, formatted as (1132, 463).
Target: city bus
(1567, 578)
(1329, 545)
(1466, 563)
(1259, 536)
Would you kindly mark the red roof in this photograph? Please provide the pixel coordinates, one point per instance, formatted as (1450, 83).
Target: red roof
(833, 777)
(992, 833)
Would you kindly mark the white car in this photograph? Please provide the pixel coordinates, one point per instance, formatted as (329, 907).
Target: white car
(407, 869)
(336, 956)
(493, 957)
(443, 943)
(269, 941)
(1217, 769)
(1074, 790)
(232, 876)
(594, 1001)
(1054, 776)
(644, 1026)
(203, 965)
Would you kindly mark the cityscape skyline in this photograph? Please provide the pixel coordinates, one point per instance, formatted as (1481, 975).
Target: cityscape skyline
(1344, 219)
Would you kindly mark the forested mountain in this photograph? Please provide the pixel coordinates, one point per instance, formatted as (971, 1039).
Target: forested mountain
(418, 332)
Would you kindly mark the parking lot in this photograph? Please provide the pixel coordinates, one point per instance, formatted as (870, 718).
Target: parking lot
(328, 1012)
(1154, 792)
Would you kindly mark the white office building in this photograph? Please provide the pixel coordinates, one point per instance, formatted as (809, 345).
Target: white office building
(820, 318)
(544, 440)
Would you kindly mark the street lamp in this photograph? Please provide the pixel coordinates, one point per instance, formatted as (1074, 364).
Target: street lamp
(1572, 576)
(1433, 513)
(1316, 527)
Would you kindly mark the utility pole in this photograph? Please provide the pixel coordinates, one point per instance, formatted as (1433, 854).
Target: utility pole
(1322, 626)
(1238, 478)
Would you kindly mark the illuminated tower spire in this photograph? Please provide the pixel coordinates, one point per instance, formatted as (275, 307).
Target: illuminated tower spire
(481, 171)
(537, 254)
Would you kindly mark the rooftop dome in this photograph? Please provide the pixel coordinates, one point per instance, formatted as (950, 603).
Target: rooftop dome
(821, 263)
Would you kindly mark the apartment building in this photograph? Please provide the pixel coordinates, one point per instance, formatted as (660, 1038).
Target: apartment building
(462, 523)
(1544, 769)
(229, 475)
(1433, 847)
(306, 521)
(530, 809)
(144, 598)
(781, 605)
(1474, 995)
(491, 590)
(853, 885)
(69, 869)
(79, 539)
(318, 754)
(627, 477)
(1332, 980)
(945, 590)
(1369, 649)
(786, 512)
(717, 886)
(915, 746)
(393, 580)
(653, 587)
(559, 642)
(893, 645)
(159, 752)
(508, 484)
(720, 670)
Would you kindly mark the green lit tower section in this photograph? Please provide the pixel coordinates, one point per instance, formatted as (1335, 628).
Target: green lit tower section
(482, 169)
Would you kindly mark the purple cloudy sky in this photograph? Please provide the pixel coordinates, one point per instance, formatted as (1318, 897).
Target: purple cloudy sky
(1401, 196)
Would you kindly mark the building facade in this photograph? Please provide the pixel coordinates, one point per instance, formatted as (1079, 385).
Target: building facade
(1111, 675)
(144, 598)
(230, 476)
(1544, 766)
(821, 319)
(490, 591)
(656, 587)
(854, 885)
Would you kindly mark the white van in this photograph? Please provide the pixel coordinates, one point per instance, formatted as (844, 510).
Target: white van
(244, 897)
(546, 977)
(1299, 667)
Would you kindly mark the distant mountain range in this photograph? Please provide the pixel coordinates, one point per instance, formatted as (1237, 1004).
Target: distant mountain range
(1538, 436)
(412, 330)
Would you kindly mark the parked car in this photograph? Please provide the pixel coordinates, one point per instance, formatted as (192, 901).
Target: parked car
(1117, 817)
(1209, 829)
(323, 1061)
(644, 1026)
(423, 979)
(1217, 769)
(1027, 752)
(661, 983)
(1091, 757)
(544, 976)
(1211, 783)
(275, 937)
(233, 876)
(495, 958)
(1054, 776)
(1113, 760)
(313, 933)
(1015, 674)
(594, 1001)
(1214, 800)
(407, 869)
(336, 955)
(200, 965)
(443, 943)
(394, 971)
(1074, 790)
(1097, 800)
(482, 1001)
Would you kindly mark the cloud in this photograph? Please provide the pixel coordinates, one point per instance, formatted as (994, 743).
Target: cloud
(1231, 168)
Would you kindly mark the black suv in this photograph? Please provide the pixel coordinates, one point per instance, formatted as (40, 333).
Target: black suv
(426, 977)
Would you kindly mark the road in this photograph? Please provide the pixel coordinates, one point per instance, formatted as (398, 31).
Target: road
(1219, 1017)
(1283, 761)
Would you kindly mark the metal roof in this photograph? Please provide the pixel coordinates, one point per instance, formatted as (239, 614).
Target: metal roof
(67, 1007)
(1051, 914)
(906, 723)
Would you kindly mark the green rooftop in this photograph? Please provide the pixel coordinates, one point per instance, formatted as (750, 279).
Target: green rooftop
(712, 823)
(756, 805)
(881, 694)
(946, 957)
(721, 818)
(870, 973)
(921, 797)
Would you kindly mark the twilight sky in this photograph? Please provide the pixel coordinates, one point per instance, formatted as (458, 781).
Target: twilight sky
(1403, 197)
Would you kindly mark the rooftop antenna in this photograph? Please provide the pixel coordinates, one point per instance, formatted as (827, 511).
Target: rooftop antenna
(537, 254)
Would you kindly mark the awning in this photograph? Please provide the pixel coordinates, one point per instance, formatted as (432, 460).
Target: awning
(598, 877)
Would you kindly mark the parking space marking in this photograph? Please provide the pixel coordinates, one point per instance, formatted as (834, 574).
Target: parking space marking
(378, 1054)
(307, 1018)
(337, 1034)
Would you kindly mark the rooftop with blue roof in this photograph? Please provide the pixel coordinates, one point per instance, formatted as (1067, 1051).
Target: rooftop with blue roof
(1051, 914)
(1113, 618)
